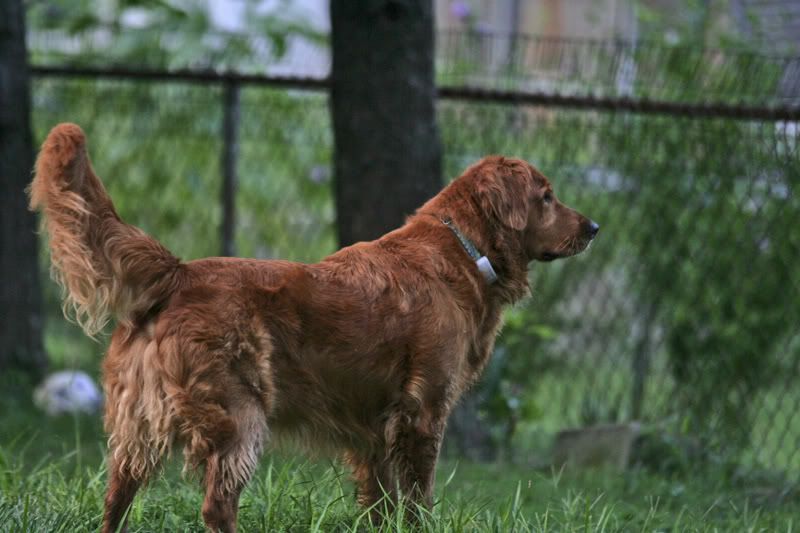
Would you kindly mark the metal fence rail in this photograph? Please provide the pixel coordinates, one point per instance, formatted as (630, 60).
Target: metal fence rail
(448, 92)
(683, 315)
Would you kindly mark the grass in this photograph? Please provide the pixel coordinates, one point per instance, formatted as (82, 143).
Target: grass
(292, 496)
(52, 478)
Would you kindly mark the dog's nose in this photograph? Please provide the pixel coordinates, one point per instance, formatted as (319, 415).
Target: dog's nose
(594, 227)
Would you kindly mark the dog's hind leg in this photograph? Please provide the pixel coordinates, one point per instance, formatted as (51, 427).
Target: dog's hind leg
(122, 487)
(130, 465)
(135, 420)
(221, 503)
(228, 471)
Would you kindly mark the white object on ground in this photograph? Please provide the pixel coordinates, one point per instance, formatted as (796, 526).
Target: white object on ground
(68, 391)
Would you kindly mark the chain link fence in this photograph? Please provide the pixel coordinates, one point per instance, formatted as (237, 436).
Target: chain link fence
(683, 315)
(590, 67)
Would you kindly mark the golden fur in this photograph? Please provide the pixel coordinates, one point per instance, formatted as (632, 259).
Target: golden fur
(363, 354)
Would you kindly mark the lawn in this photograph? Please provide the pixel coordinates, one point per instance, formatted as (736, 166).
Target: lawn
(52, 479)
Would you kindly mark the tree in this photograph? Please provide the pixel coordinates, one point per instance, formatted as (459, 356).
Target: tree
(387, 147)
(20, 293)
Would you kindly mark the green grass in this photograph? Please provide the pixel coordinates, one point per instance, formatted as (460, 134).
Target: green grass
(293, 496)
(52, 478)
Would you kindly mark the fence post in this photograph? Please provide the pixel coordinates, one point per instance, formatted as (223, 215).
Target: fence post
(641, 364)
(230, 152)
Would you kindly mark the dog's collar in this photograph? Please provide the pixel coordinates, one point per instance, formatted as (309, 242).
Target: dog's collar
(481, 261)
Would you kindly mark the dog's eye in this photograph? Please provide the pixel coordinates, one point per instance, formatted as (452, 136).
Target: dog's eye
(548, 197)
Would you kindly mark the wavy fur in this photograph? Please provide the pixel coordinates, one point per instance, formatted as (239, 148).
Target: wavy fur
(105, 266)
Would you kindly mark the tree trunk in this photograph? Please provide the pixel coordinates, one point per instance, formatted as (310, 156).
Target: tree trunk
(20, 294)
(388, 153)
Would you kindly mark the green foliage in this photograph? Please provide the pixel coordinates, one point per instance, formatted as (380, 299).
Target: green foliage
(285, 198)
(503, 393)
(134, 133)
(721, 274)
(162, 33)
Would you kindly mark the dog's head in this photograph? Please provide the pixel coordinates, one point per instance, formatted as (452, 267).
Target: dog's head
(521, 200)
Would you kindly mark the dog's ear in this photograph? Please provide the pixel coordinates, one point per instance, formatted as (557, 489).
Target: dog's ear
(504, 191)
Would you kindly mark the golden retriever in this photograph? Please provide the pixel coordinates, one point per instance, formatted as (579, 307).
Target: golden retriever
(363, 354)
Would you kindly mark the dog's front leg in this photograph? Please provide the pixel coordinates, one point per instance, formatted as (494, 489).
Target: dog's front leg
(413, 451)
(373, 479)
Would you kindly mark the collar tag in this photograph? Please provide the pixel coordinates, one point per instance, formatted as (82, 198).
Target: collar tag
(486, 269)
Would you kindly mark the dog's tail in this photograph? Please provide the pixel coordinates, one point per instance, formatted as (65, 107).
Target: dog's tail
(105, 266)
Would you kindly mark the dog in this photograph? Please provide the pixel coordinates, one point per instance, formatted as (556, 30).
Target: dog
(363, 354)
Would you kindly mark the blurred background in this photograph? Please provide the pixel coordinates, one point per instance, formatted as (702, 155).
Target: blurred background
(285, 129)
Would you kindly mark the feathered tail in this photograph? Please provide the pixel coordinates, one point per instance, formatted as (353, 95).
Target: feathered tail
(105, 266)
